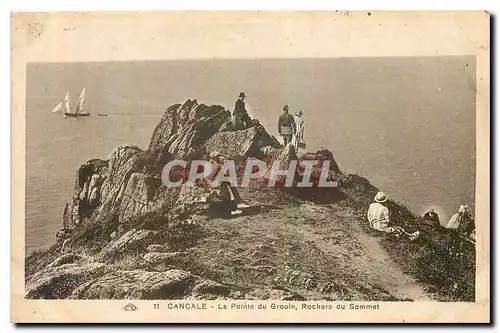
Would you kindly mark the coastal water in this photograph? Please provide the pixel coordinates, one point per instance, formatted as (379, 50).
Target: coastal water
(407, 124)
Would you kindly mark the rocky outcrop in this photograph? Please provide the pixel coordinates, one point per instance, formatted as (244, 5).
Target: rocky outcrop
(59, 282)
(321, 156)
(114, 193)
(129, 183)
(184, 127)
(124, 161)
(89, 179)
(241, 144)
(133, 241)
(139, 284)
(100, 186)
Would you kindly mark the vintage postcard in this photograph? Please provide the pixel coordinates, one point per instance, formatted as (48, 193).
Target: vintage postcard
(288, 167)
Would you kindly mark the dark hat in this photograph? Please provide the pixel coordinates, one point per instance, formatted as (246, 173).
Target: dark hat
(242, 94)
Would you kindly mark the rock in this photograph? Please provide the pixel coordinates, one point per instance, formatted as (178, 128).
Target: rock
(199, 194)
(94, 181)
(138, 196)
(63, 234)
(235, 144)
(158, 248)
(84, 192)
(228, 126)
(293, 297)
(238, 144)
(165, 129)
(209, 287)
(68, 258)
(59, 282)
(115, 193)
(138, 284)
(156, 258)
(285, 295)
(133, 241)
(64, 245)
(321, 156)
(287, 154)
(238, 295)
(94, 196)
(283, 159)
(112, 235)
(124, 162)
(271, 152)
(71, 214)
(128, 184)
(78, 210)
(186, 126)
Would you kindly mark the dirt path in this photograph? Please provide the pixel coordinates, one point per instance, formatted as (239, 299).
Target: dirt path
(387, 273)
(368, 258)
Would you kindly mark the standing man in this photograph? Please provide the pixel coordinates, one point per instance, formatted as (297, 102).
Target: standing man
(286, 126)
(241, 118)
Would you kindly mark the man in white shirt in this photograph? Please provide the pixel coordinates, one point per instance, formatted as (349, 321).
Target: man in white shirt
(378, 216)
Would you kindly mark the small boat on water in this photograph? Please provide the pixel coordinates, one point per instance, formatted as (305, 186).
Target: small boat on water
(102, 114)
(65, 106)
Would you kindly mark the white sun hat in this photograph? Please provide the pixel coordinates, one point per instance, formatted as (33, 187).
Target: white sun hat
(381, 197)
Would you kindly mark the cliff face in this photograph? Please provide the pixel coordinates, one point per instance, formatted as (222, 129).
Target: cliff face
(126, 235)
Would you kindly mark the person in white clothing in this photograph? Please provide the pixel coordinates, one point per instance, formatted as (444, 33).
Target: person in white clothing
(298, 137)
(458, 218)
(378, 217)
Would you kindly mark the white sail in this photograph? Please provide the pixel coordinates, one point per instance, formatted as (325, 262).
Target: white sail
(81, 100)
(67, 103)
(58, 107)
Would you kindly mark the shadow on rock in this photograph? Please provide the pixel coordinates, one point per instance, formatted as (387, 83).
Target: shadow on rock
(223, 210)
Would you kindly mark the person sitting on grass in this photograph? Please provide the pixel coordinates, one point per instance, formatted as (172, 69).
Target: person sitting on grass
(432, 216)
(378, 216)
(236, 204)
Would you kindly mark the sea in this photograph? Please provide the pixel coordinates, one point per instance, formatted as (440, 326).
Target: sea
(405, 123)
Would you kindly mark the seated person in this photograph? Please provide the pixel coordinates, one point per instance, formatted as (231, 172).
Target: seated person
(378, 217)
(235, 199)
(431, 216)
(460, 218)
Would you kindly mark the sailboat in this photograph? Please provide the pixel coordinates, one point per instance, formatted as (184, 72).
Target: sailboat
(80, 109)
(66, 106)
(58, 107)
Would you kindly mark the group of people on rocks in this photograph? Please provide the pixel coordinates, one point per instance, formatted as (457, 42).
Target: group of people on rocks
(378, 218)
(290, 127)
